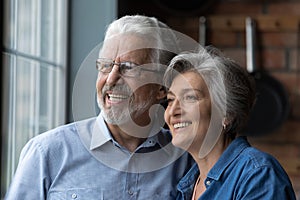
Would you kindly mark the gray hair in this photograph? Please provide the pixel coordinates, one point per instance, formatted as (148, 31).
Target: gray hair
(163, 43)
(231, 87)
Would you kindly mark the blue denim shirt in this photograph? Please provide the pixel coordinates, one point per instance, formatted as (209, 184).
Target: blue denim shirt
(242, 172)
(82, 161)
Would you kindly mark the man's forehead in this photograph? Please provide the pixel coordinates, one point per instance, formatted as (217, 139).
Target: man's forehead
(124, 44)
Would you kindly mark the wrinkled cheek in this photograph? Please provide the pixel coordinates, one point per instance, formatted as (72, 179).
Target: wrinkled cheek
(100, 82)
(99, 85)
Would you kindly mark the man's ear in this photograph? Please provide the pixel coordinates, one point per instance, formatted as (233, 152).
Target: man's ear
(162, 93)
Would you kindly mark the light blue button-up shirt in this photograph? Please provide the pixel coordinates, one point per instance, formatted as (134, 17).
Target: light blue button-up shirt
(242, 172)
(82, 161)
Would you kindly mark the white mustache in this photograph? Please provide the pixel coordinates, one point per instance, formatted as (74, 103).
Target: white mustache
(125, 89)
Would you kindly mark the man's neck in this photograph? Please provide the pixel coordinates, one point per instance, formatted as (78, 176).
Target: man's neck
(127, 140)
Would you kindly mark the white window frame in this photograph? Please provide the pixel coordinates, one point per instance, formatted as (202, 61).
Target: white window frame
(54, 64)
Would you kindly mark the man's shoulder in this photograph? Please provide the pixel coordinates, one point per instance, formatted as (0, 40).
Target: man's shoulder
(62, 134)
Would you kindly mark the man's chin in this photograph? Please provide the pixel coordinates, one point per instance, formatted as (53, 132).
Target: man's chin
(116, 117)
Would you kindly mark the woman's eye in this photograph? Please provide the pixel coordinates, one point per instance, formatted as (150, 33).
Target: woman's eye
(169, 101)
(190, 98)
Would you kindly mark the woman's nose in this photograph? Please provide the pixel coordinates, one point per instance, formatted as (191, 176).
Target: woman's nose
(175, 109)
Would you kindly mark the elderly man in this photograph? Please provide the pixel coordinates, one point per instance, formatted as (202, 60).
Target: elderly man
(123, 153)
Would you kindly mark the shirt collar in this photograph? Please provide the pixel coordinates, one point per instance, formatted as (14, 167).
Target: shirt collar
(228, 156)
(101, 135)
(189, 180)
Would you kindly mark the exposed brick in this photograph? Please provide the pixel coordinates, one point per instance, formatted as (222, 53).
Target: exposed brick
(239, 7)
(279, 150)
(295, 101)
(186, 23)
(288, 133)
(187, 26)
(294, 60)
(237, 54)
(272, 59)
(289, 8)
(223, 38)
(278, 39)
(289, 80)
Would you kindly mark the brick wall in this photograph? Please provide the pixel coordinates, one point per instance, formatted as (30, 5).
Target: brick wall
(277, 51)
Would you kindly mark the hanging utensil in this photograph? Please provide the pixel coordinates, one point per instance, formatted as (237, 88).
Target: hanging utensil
(202, 31)
(272, 104)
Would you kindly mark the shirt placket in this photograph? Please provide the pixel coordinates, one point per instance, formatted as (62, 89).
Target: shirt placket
(131, 189)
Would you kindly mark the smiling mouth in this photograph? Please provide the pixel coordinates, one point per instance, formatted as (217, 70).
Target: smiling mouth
(181, 125)
(117, 98)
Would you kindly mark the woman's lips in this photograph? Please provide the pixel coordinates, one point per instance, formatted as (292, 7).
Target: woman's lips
(179, 125)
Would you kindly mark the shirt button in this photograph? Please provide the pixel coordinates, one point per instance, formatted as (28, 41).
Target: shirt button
(74, 196)
(207, 182)
(130, 192)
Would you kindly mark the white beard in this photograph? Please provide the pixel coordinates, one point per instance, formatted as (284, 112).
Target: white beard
(120, 115)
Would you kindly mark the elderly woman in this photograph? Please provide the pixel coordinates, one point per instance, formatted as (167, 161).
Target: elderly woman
(209, 101)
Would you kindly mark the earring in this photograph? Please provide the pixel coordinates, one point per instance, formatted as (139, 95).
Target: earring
(223, 123)
(224, 126)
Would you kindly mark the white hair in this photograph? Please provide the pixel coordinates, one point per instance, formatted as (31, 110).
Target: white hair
(163, 41)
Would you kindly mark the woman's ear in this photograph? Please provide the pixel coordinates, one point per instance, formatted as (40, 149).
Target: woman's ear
(225, 122)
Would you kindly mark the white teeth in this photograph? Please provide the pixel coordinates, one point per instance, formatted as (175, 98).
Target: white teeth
(181, 124)
(117, 97)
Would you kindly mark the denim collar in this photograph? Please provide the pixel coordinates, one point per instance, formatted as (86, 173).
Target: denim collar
(228, 156)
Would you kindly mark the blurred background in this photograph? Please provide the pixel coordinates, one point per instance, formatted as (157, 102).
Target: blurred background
(45, 42)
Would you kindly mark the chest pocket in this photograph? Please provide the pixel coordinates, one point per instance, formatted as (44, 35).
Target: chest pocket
(98, 194)
(164, 195)
(77, 194)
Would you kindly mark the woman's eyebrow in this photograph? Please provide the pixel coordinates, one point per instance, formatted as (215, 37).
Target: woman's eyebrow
(169, 92)
(183, 91)
(193, 89)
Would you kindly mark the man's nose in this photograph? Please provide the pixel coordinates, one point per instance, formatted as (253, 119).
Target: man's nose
(114, 75)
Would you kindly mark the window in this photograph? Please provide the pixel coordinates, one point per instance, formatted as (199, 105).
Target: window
(34, 65)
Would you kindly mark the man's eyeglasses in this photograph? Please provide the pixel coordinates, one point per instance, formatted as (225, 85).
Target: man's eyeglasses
(128, 69)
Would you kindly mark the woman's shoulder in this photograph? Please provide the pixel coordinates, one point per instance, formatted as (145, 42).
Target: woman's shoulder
(258, 158)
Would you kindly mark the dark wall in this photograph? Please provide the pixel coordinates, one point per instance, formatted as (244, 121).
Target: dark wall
(163, 9)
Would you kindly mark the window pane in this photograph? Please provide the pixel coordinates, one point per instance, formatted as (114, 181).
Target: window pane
(33, 105)
(34, 81)
(37, 28)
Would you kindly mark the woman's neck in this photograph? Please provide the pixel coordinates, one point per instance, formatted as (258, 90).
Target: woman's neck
(206, 163)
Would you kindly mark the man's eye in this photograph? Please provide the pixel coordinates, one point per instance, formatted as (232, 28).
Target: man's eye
(106, 65)
(127, 66)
